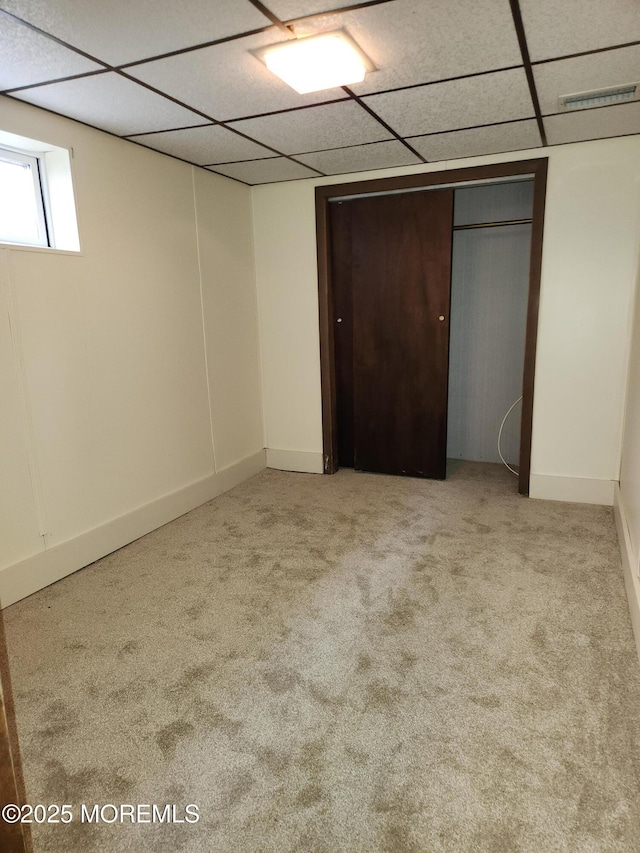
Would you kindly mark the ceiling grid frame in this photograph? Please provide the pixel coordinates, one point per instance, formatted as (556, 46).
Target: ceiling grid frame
(566, 128)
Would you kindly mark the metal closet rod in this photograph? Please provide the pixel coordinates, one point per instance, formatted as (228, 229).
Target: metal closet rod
(492, 224)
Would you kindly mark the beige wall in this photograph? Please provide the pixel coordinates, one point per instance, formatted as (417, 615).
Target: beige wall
(592, 233)
(630, 468)
(225, 239)
(628, 495)
(128, 372)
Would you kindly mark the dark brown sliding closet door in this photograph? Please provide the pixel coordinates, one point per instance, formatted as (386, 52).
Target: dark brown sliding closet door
(341, 246)
(391, 267)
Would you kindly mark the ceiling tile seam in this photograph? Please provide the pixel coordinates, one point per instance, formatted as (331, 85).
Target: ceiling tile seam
(212, 120)
(344, 147)
(193, 47)
(209, 118)
(189, 163)
(268, 147)
(57, 40)
(110, 67)
(262, 183)
(220, 174)
(286, 109)
(386, 141)
(237, 162)
(281, 181)
(123, 139)
(246, 34)
(289, 110)
(195, 111)
(269, 14)
(586, 53)
(164, 95)
(289, 180)
(257, 4)
(353, 7)
(315, 151)
(55, 80)
(381, 168)
(470, 127)
(444, 80)
(344, 100)
(384, 124)
(417, 136)
(526, 61)
(142, 61)
(168, 130)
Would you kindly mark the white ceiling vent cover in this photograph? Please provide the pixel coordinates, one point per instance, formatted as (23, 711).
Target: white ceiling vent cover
(599, 98)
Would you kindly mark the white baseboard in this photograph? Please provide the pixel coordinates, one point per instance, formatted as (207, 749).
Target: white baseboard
(630, 565)
(571, 489)
(306, 461)
(28, 576)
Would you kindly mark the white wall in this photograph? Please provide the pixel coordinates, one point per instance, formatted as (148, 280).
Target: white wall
(628, 494)
(225, 238)
(129, 372)
(591, 243)
(630, 467)
(286, 273)
(592, 233)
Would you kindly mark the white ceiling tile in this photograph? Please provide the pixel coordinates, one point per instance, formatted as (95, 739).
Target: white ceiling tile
(600, 123)
(121, 31)
(415, 41)
(265, 171)
(327, 126)
(478, 140)
(112, 103)
(556, 28)
(286, 10)
(584, 73)
(374, 155)
(29, 58)
(489, 98)
(227, 81)
(204, 145)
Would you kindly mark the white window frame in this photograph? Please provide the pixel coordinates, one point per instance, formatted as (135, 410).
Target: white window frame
(9, 155)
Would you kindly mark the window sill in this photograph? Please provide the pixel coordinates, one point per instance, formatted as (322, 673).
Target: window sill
(49, 250)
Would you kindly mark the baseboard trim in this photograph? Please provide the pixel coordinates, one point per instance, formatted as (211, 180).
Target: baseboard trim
(629, 564)
(571, 489)
(305, 461)
(28, 576)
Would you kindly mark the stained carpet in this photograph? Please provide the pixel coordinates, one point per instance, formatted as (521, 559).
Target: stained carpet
(354, 663)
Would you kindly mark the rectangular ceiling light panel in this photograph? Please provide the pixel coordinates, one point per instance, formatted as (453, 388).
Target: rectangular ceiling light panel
(317, 62)
(599, 98)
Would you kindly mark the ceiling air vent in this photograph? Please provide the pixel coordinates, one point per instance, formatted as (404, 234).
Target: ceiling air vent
(599, 98)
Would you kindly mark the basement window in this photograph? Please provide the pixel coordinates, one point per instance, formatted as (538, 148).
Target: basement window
(37, 204)
(23, 216)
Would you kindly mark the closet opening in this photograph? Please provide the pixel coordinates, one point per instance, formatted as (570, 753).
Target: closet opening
(488, 319)
(428, 293)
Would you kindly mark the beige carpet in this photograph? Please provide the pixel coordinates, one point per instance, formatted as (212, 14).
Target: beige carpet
(350, 663)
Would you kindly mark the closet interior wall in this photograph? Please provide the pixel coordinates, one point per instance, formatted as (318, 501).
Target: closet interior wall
(489, 292)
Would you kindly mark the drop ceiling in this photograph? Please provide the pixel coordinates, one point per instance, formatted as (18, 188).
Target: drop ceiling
(454, 79)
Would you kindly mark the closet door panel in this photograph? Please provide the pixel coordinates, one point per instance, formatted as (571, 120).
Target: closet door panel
(400, 270)
(341, 273)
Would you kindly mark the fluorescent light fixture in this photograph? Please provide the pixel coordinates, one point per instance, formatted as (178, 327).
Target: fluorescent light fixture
(599, 98)
(317, 62)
